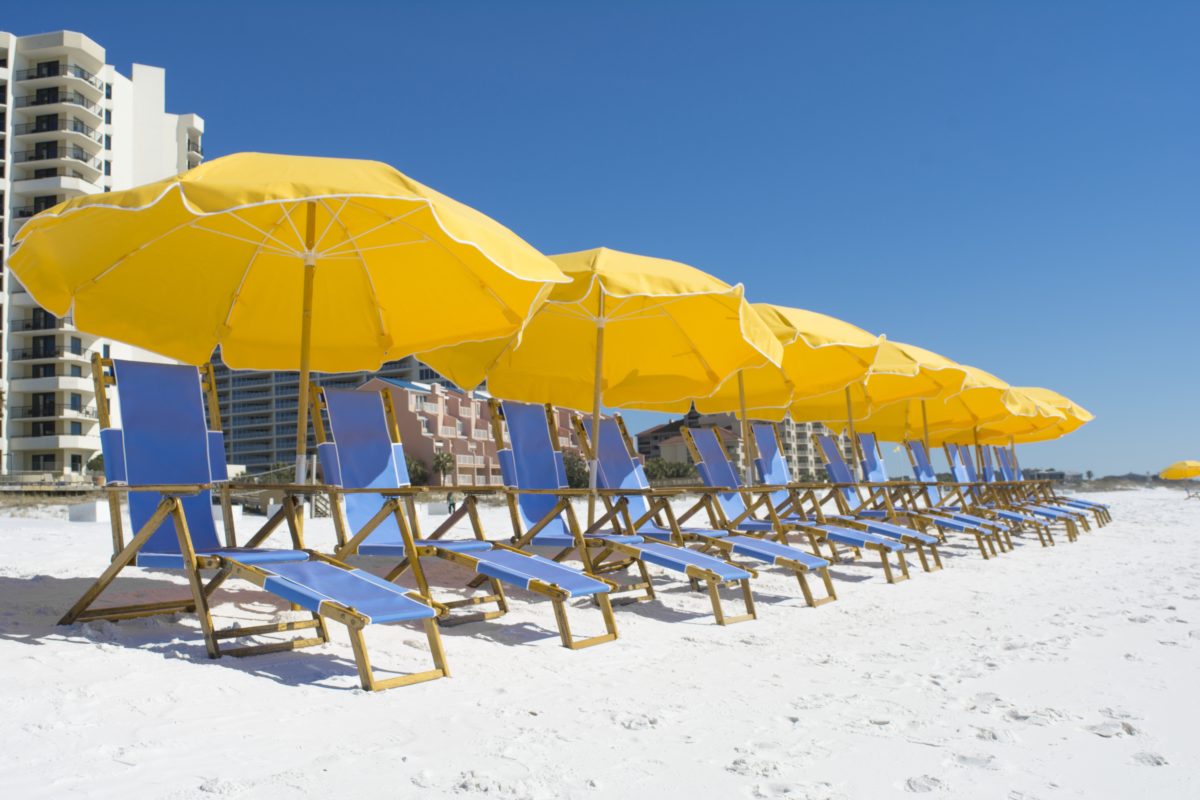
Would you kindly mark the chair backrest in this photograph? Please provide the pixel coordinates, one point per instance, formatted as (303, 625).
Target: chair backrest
(770, 464)
(531, 461)
(362, 455)
(923, 469)
(164, 441)
(715, 470)
(838, 470)
(873, 467)
(618, 468)
(985, 461)
(1006, 464)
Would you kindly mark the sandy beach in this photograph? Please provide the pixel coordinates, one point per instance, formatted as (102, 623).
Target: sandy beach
(1064, 672)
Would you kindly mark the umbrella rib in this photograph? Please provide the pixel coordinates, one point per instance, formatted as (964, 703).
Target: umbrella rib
(382, 332)
(333, 216)
(237, 293)
(192, 223)
(236, 215)
(351, 240)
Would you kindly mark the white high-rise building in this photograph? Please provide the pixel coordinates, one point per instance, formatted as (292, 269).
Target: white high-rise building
(70, 124)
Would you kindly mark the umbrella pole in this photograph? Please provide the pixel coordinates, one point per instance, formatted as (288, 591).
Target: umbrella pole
(310, 272)
(747, 445)
(853, 435)
(1012, 450)
(925, 427)
(594, 471)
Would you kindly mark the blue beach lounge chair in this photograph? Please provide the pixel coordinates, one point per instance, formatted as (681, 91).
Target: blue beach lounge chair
(736, 508)
(645, 511)
(772, 469)
(540, 506)
(166, 458)
(362, 459)
(962, 467)
(951, 503)
(1030, 496)
(987, 536)
(1042, 493)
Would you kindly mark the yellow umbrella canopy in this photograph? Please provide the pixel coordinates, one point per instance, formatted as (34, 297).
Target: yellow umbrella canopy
(286, 262)
(628, 331)
(1047, 415)
(820, 354)
(1180, 471)
(981, 398)
(900, 372)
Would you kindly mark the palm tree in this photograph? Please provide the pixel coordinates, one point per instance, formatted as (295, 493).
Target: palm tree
(443, 463)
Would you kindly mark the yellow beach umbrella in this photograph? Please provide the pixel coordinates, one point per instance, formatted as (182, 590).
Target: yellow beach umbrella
(1052, 416)
(1181, 470)
(820, 354)
(901, 374)
(628, 331)
(286, 262)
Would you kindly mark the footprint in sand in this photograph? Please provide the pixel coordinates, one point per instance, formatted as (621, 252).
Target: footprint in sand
(1112, 729)
(977, 760)
(924, 783)
(1149, 759)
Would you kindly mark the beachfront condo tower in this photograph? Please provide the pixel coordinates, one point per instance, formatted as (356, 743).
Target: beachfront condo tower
(70, 124)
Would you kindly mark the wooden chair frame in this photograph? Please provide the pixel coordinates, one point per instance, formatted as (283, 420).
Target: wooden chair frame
(400, 504)
(171, 507)
(596, 552)
(660, 512)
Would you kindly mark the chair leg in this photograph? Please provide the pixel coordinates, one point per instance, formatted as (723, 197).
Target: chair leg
(564, 626)
(812, 602)
(719, 612)
(366, 674)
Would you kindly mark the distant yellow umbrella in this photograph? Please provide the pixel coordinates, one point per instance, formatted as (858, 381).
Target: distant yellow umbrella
(820, 354)
(286, 262)
(1181, 471)
(628, 331)
(1052, 416)
(902, 374)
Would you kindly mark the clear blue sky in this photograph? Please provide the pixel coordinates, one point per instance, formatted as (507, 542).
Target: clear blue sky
(1015, 185)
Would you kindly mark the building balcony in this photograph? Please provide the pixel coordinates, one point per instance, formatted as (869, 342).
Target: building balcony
(46, 354)
(43, 73)
(55, 442)
(51, 383)
(41, 324)
(61, 101)
(90, 165)
(75, 129)
(52, 411)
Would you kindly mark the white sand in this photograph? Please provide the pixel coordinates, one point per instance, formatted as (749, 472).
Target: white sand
(1069, 672)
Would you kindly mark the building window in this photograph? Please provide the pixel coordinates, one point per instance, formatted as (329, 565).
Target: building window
(77, 429)
(41, 462)
(107, 167)
(106, 350)
(108, 91)
(108, 116)
(42, 371)
(76, 371)
(108, 141)
(76, 346)
(76, 463)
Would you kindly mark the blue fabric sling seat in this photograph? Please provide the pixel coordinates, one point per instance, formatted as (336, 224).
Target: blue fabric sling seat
(164, 442)
(717, 472)
(1049, 510)
(619, 470)
(963, 468)
(927, 478)
(532, 467)
(362, 455)
(839, 472)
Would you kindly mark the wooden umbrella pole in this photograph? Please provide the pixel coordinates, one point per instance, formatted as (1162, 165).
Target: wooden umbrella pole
(853, 434)
(925, 428)
(594, 466)
(747, 443)
(310, 273)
